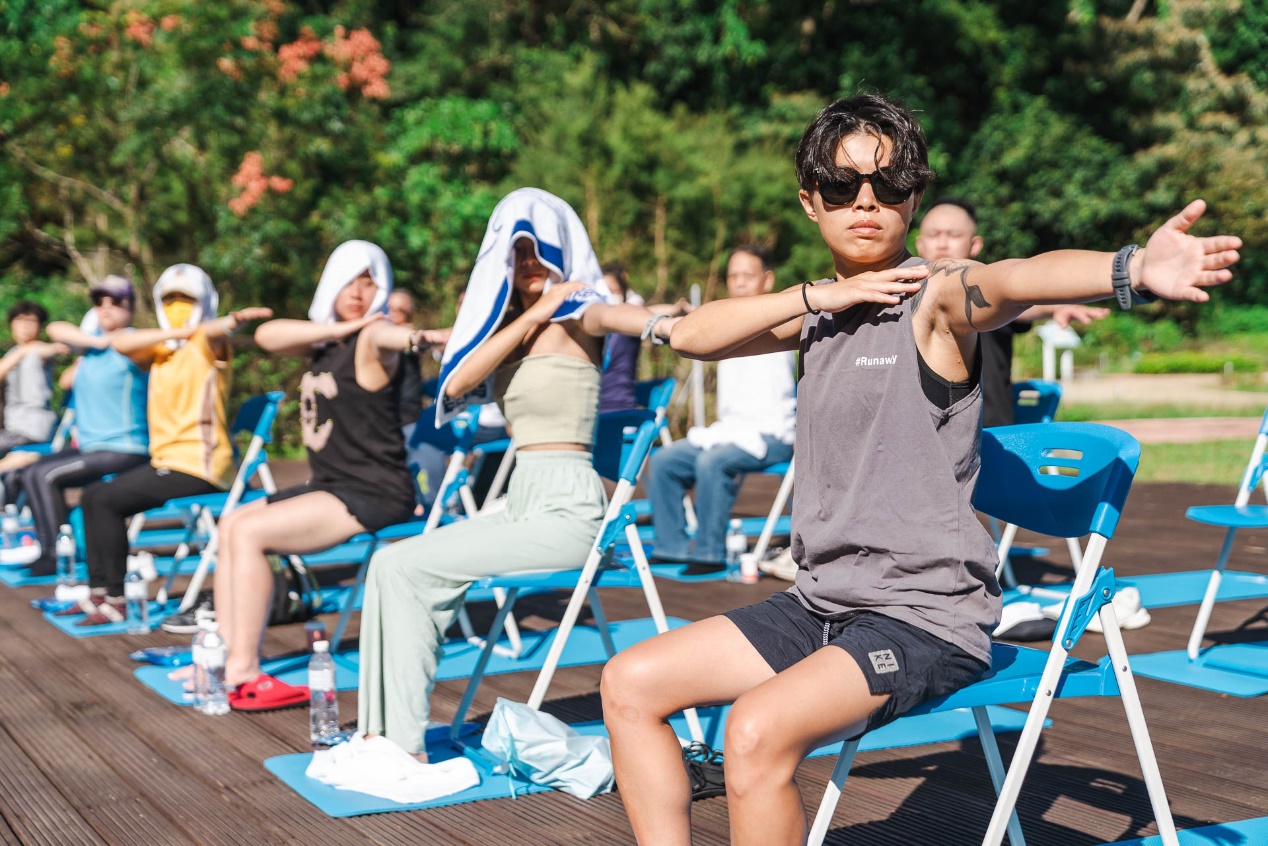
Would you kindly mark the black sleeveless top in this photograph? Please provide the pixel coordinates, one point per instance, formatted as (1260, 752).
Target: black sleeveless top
(353, 435)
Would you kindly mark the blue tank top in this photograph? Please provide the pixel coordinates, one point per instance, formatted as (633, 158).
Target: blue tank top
(110, 401)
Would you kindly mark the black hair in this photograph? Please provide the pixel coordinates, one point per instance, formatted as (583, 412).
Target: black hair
(615, 268)
(869, 114)
(23, 308)
(960, 203)
(760, 253)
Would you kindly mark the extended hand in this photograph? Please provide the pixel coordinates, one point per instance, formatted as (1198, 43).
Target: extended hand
(548, 303)
(246, 315)
(1177, 265)
(1063, 315)
(878, 286)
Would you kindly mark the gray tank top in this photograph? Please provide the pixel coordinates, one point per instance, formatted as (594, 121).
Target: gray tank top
(883, 518)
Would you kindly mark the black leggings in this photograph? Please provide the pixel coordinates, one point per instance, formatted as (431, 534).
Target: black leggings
(107, 504)
(46, 480)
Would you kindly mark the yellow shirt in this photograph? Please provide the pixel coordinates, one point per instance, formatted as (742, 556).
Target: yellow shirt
(188, 430)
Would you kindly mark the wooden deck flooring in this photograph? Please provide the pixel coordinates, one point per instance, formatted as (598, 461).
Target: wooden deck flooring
(89, 756)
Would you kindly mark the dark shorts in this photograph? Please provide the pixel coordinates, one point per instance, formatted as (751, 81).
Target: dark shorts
(373, 514)
(900, 661)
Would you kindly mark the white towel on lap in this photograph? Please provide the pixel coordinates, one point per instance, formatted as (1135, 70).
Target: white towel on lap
(349, 260)
(379, 767)
(563, 246)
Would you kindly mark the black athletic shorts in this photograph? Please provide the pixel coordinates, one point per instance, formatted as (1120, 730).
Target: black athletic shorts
(372, 514)
(900, 661)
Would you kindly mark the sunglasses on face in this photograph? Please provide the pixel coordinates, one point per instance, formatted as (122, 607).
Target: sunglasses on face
(100, 299)
(842, 189)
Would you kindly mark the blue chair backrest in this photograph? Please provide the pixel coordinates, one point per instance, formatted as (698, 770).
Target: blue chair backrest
(256, 416)
(1036, 401)
(610, 449)
(1064, 480)
(655, 394)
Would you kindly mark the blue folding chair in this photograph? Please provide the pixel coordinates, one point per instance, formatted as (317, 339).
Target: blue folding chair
(199, 513)
(617, 458)
(1239, 515)
(1095, 466)
(1035, 401)
(61, 435)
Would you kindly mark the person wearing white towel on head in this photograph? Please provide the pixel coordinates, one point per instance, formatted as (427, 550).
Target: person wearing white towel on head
(349, 405)
(187, 358)
(529, 335)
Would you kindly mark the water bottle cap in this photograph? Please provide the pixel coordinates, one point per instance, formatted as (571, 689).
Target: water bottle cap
(11, 508)
(737, 523)
(321, 646)
(65, 529)
(204, 615)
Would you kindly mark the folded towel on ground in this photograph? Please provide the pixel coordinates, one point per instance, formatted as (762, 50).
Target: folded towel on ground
(379, 767)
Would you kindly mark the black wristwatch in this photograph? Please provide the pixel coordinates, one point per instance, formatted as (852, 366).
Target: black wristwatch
(1122, 280)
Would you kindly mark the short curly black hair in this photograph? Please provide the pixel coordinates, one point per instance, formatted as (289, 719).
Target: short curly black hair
(23, 308)
(869, 114)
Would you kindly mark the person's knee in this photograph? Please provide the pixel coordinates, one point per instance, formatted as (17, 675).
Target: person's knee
(629, 687)
(717, 463)
(757, 749)
(95, 497)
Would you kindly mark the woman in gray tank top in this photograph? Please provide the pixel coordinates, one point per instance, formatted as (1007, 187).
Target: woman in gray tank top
(894, 567)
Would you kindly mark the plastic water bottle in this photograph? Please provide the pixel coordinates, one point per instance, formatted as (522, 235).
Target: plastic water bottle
(202, 618)
(64, 549)
(216, 702)
(136, 595)
(736, 546)
(323, 706)
(9, 527)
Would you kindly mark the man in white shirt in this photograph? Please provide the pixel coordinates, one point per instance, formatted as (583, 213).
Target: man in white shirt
(755, 426)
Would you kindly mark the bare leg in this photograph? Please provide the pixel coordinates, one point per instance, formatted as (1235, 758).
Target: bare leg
(770, 730)
(705, 663)
(306, 523)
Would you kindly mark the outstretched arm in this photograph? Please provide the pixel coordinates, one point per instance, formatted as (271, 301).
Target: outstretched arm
(624, 319)
(1174, 265)
(297, 337)
(73, 336)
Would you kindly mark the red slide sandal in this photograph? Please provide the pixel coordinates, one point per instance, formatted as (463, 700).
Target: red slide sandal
(265, 693)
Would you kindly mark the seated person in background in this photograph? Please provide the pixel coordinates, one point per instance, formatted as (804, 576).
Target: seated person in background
(28, 383)
(110, 399)
(756, 420)
(521, 337)
(349, 411)
(190, 453)
(620, 352)
(400, 312)
(949, 231)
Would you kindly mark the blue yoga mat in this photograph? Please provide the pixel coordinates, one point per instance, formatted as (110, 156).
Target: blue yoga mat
(158, 613)
(1166, 590)
(1237, 669)
(584, 648)
(1241, 833)
(912, 731)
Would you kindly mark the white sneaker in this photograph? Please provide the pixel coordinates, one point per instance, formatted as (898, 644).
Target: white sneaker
(781, 566)
(1127, 607)
(20, 555)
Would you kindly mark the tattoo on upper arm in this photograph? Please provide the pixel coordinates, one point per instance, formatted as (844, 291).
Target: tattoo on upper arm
(915, 301)
(972, 293)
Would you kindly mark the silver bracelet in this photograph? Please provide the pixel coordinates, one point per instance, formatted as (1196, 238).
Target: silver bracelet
(649, 330)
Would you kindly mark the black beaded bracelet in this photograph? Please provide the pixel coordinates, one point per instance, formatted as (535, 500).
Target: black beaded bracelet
(806, 299)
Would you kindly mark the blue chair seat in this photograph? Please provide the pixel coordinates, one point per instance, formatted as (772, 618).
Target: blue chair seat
(1230, 516)
(1014, 677)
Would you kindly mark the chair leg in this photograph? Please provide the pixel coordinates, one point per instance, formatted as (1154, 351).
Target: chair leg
(473, 684)
(995, 763)
(694, 728)
(832, 793)
(601, 623)
(345, 614)
(776, 509)
(1208, 599)
(1136, 720)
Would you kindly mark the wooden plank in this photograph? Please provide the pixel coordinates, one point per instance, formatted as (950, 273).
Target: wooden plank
(33, 809)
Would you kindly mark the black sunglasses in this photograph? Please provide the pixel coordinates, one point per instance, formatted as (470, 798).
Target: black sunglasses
(842, 190)
(100, 298)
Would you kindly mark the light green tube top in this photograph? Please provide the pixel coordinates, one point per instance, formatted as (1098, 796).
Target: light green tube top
(549, 399)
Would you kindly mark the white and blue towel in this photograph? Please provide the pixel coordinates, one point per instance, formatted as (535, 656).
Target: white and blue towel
(562, 245)
(349, 260)
(192, 281)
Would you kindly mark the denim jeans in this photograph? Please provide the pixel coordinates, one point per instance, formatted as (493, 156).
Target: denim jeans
(716, 474)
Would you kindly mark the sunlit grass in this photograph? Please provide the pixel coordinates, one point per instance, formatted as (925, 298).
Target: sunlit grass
(1091, 412)
(1205, 462)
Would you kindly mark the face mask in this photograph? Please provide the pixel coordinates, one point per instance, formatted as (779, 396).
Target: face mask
(178, 313)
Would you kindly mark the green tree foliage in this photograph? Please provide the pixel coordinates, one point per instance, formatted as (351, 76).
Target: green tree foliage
(252, 136)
